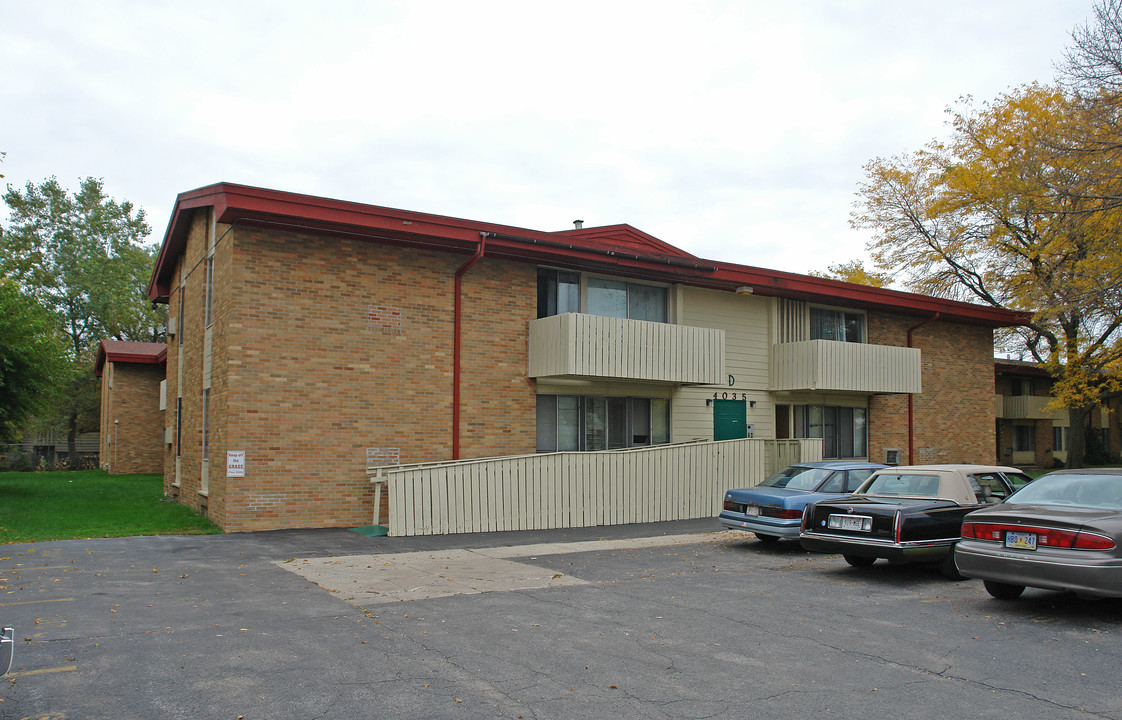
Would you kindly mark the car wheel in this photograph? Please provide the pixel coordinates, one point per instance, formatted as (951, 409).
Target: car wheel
(1003, 591)
(949, 569)
(859, 561)
(767, 538)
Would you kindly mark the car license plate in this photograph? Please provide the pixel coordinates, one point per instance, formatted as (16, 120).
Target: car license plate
(752, 510)
(1020, 540)
(860, 523)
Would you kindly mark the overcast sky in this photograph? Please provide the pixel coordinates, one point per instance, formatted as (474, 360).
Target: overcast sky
(734, 130)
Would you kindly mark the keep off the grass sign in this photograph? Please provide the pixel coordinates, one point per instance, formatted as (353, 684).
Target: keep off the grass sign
(235, 463)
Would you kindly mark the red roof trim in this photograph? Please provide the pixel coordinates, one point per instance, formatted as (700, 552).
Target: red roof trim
(626, 237)
(140, 353)
(615, 249)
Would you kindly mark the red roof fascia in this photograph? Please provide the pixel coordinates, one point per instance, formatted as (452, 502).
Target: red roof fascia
(293, 212)
(836, 292)
(140, 353)
(616, 249)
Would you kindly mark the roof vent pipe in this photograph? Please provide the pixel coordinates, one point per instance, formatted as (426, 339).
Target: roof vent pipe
(578, 224)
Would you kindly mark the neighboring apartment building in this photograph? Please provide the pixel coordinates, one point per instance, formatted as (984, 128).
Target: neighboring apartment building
(1032, 433)
(312, 338)
(132, 406)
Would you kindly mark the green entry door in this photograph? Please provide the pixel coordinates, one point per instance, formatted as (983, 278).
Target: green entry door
(730, 419)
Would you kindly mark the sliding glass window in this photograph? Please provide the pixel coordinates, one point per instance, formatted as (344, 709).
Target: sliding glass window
(595, 422)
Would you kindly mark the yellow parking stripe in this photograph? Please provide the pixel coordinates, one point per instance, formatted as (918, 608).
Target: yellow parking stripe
(43, 671)
(32, 602)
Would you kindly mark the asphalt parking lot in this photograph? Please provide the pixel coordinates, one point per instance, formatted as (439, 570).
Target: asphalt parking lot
(675, 620)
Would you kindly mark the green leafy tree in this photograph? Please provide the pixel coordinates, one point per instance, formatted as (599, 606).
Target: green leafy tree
(30, 359)
(995, 215)
(81, 256)
(856, 272)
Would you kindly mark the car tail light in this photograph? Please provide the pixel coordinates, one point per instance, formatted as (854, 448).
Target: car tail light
(1093, 541)
(984, 531)
(898, 525)
(1045, 537)
(781, 513)
(734, 506)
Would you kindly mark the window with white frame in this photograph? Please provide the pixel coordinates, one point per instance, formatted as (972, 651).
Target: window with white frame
(827, 324)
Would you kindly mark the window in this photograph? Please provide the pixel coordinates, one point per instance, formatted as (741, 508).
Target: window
(837, 325)
(178, 424)
(1024, 438)
(842, 429)
(1059, 439)
(182, 325)
(209, 290)
(1021, 386)
(206, 422)
(558, 292)
(988, 487)
(615, 298)
(592, 422)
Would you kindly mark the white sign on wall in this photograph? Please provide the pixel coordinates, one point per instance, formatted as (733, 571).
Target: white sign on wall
(235, 463)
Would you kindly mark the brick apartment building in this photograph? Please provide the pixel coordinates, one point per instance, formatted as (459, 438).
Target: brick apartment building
(131, 432)
(310, 339)
(1030, 432)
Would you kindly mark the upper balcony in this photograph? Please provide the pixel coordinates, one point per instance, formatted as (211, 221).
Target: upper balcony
(830, 365)
(579, 345)
(1026, 407)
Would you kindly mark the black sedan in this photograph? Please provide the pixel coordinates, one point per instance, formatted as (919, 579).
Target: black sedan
(1062, 532)
(906, 514)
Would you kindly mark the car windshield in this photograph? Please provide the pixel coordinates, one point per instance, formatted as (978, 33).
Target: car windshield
(1084, 490)
(903, 484)
(798, 478)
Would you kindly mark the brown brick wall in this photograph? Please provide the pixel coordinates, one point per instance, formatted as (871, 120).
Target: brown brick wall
(327, 352)
(132, 424)
(953, 416)
(189, 338)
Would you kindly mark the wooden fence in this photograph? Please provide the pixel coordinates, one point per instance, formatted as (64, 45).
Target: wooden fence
(576, 489)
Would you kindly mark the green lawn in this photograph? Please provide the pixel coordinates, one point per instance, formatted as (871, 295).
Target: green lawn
(36, 506)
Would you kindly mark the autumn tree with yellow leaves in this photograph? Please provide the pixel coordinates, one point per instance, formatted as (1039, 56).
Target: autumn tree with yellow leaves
(1000, 214)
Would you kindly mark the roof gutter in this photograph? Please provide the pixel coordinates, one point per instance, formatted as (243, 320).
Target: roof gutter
(456, 342)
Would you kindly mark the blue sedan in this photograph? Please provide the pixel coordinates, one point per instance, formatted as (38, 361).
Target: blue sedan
(774, 508)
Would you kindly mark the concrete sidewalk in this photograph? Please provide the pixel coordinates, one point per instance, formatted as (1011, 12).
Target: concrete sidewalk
(363, 580)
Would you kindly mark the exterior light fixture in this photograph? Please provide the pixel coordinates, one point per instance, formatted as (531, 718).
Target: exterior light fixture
(744, 290)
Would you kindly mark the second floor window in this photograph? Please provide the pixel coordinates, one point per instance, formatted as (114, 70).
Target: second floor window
(615, 298)
(837, 325)
(559, 291)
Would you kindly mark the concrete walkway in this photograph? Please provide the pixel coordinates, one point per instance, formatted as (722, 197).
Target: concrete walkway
(363, 580)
